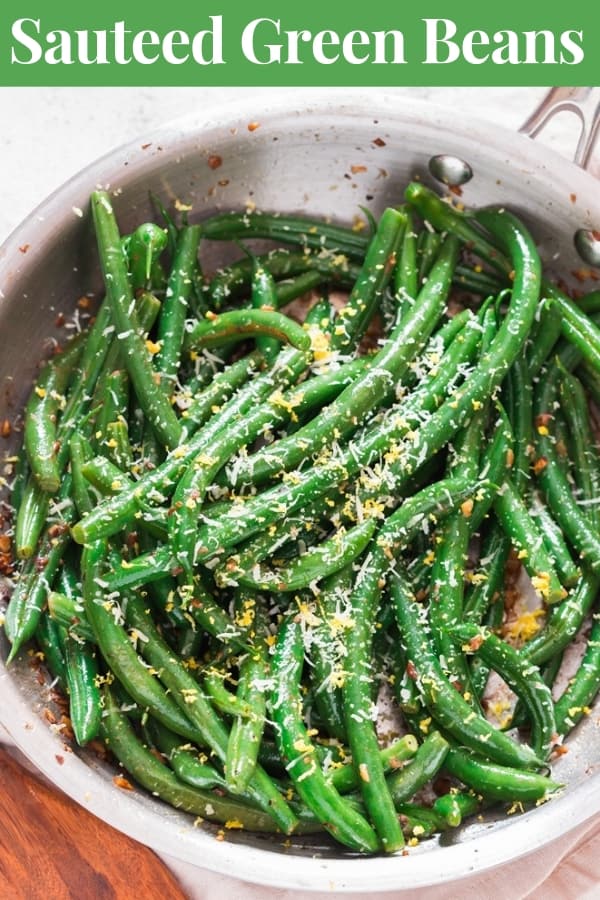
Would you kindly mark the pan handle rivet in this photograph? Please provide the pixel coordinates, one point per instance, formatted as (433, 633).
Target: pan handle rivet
(587, 244)
(450, 170)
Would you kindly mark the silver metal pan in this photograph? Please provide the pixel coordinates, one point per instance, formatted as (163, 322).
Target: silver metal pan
(299, 159)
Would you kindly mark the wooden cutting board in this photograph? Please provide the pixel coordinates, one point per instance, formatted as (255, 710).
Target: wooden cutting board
(53, 849)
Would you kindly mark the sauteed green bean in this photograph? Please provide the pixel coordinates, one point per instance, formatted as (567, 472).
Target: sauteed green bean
(242, 529)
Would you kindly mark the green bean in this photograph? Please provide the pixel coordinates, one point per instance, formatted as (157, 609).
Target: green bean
(498, 782)
(445, 704)
(231, 282)
(425, 765)
(406, 276)
(519, 407)
(81, 670)
(118, 651)
(486, 584)
(448, 570)
(582, 689)
(327, 650)
(188, 697)
(564, 621)
(547, 333)
(296, 748)
(70, 615)
(555, 543)
(99, 356)
(247, 731)
(345, 778)
(308, 233)
(397, 531)
(446, 218)
(145, 246)
(303, 571)
(520, 675)
(455, 806)
(583, 445)
(445, 421)
(171, 324)
(221, 697)
(220, 389)
(479, 670)
(476, 281)
(427, 249)
(240, 323)
(28, 598)
(161, 782)
(353, 319)
(49, 637)
(521, 528)
(41, 412)
(578, 328)
(591, 381)
(113, 400)
(264, 296)
(553, 481)
(548, 671)
(184, 760)
(31, 516)
(378, 383)
(153, 401)
(590, 303)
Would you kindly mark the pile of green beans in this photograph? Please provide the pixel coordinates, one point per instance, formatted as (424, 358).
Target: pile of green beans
(237, 533)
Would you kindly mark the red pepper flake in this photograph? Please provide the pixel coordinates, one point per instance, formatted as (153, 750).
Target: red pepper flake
(214, 161)
(596, 235)
(6, 428)
(252, 126)
(543, 419)
(584, 274)
(475, 643)
(223, 182)
(60, 320)
(411, 670)
(40, 563)
(4, 543)
(573, 198)
(455, 189)
(560, 750)
(24, 248)
(59, 759)
(145, 146)
(356, 169)
(83, 302)
(379, 142)
(122, 783)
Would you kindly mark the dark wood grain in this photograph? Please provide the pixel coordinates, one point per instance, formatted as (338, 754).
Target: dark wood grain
(53, 849)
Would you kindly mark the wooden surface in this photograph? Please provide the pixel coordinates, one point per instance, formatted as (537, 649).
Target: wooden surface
(53, 849)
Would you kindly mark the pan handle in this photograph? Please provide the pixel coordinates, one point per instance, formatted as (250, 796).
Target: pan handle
(584, 102)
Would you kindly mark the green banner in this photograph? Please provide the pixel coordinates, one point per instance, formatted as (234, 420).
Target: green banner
(310, 43)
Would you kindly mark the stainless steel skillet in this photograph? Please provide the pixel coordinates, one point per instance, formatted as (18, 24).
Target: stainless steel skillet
(307, 159)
